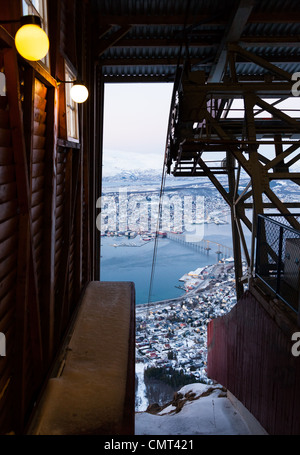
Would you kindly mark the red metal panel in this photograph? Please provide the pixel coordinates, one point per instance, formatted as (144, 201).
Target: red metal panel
(250, 354)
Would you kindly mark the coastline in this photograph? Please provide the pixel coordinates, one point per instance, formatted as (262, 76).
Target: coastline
(202, 286)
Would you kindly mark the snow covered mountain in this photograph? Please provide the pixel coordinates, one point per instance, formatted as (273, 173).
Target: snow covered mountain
(132, 175)
(150, 178)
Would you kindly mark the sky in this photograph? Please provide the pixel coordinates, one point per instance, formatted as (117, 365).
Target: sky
(136, 121)
(135, 125)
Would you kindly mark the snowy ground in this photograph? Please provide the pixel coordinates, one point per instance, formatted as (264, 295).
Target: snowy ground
(141, 399)
(208, 415)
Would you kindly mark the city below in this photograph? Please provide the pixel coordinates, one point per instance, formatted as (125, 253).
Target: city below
(173, 333)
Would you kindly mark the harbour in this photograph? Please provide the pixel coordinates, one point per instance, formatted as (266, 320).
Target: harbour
(173, 260)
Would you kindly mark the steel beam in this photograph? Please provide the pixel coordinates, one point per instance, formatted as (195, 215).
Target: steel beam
(233, 32)
(243, 139)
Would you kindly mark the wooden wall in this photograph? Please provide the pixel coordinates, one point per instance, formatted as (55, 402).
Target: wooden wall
(9, 233)
(249, 352)
(45, 215)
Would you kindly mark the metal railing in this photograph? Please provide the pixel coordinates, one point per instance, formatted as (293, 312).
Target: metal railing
(278, 257)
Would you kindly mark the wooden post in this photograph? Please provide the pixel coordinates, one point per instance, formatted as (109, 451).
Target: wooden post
(49, 224)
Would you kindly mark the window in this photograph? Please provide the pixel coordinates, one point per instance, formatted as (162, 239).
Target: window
(71, 108)
(38, 8)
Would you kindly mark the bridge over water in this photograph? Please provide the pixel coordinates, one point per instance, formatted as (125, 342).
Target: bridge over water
(203, 246)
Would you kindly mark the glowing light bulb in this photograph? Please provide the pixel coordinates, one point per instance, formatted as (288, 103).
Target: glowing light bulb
(31, 41)
(79, 93)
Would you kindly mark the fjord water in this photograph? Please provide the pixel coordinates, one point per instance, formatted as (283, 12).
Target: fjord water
(173, 260)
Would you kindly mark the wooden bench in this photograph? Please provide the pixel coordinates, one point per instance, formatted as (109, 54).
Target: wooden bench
(93, 390)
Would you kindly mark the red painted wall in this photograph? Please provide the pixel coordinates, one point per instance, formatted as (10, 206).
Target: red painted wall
(249, 352)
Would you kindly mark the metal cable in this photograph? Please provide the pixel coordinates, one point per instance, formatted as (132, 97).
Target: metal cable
(178, 75)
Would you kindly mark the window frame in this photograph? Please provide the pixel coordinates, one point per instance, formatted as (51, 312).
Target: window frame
(42, 13)
(72, 110)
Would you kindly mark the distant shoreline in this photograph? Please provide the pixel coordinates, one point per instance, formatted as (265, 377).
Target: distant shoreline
(146, 307)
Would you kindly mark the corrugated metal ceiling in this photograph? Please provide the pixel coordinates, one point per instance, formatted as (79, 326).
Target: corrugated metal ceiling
(143, 39)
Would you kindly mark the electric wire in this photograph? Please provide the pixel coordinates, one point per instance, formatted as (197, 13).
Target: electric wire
(180, 68)
(178, 75)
